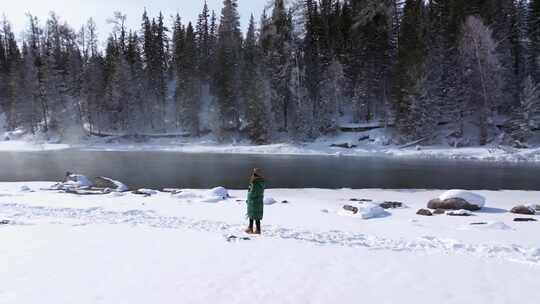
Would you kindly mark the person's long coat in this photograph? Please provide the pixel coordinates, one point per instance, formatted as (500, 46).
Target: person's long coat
(255, 199)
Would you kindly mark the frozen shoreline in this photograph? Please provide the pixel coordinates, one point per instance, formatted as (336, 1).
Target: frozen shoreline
(319, 148)
(129, 248)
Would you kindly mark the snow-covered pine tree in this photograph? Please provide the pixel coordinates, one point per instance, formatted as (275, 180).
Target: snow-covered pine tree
(188, 87)
(481, 69)
(93, 79)
(10, 62)
(27, 105)
(420, 120)
(155, 46)
(253, 89)
(136, 103)
(331, 70)
(226, 80)
(370, 62)
(527, 115)
(313, 71)
(204, 43)
(443, 75)
(534, 39)
(500, 15)
(277, 46)
(408, 74)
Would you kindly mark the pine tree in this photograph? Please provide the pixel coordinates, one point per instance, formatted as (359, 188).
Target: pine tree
(204, 42)
(420, 119)
(410, 63)
(279, 59)
(10, 61)
(534, 39)
(527, 115)
(27, 106)
(187, 92)
(226, 80)
(253, 89)
(370, 60)
(481, 69)
(313, 69)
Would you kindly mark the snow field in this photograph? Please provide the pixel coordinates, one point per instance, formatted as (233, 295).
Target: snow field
(63, 248)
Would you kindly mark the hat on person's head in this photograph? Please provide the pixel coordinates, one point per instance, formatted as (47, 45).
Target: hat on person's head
(257, 172)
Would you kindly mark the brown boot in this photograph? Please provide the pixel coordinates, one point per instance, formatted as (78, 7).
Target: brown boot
(258, 225)
(249, 231)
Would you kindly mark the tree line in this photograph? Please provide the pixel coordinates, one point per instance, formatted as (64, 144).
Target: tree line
(462, 71)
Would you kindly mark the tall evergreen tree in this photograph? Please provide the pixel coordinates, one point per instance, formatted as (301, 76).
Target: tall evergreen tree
(227, 65)
(410, 63)
(253, 88)
(278, 48)
(534, 39)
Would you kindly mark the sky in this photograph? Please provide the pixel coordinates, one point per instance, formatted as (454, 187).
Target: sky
(77, 12)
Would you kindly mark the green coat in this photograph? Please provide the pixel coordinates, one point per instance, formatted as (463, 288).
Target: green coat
(255, 199)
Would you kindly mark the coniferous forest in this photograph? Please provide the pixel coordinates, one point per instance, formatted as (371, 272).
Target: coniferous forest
(459, 72)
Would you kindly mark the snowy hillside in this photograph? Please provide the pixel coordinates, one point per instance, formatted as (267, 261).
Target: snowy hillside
(162, 248)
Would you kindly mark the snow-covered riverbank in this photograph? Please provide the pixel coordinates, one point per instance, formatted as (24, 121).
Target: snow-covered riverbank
(127, 248)
(321, 147)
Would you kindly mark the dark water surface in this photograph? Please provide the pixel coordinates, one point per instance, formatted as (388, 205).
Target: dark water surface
(172, 169)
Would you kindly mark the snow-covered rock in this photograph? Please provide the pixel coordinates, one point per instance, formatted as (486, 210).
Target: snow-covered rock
(522, 209)
(534, 206)
(14, 135)
(470, 197)
(25, 189)
(498, 226)
(269, 201)
(366, 211)
(424, 212)
(457, 200)
(219, 192)
(78, 181)
(147, 191)
(113, 184)
(461, 212)
(186, 195)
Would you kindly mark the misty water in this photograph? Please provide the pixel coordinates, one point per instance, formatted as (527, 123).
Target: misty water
(170, 169)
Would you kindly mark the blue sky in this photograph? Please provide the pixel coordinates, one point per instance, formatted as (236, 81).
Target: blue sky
(76, 12)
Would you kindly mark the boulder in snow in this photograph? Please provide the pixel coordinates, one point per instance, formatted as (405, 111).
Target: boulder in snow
(370, 210)
(522, 209)
(350, 208)
(424, 212)
(458, 200)
(535, 207)
(392, 205)
(219, 192)
(498, 226)
(461, 212)
(344, 146)
(4, 222)
(525, 219)
(108, 183)
(362, 200)
(365, 211)
(25, 189)
(146, 192)
(269, 201)
(185, 195)
(77, 181)
(439, 211)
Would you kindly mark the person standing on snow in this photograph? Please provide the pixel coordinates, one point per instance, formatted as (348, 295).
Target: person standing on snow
(255, 206)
